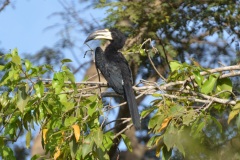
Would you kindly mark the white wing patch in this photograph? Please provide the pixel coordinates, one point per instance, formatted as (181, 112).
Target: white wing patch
(122, 82)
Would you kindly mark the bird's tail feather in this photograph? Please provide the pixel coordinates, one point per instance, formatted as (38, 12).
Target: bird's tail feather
(132, 104)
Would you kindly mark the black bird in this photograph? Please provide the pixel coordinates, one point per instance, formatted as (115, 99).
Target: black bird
(115, 69)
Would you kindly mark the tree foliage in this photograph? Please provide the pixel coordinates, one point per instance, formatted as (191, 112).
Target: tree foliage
(195, 111)
(68, 119)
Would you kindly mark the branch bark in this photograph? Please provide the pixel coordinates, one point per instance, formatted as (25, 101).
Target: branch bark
(5, 3)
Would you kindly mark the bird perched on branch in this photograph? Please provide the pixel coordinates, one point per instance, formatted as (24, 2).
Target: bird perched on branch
(115, 69)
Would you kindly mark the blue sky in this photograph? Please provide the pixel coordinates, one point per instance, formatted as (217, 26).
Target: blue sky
(23, 24)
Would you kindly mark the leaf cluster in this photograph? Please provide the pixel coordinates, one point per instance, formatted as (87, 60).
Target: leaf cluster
(180, 120)
(183, 27)
(69, 121)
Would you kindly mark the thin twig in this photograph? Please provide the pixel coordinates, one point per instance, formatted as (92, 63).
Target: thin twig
(126, 120)
(149, 40)
(155, 67)
(4, 5)
(126, 128)
(165, 53)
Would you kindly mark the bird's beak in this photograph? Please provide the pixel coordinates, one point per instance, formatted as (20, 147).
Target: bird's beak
(99, 34)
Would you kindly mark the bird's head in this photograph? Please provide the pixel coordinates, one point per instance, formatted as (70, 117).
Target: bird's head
(116, 37)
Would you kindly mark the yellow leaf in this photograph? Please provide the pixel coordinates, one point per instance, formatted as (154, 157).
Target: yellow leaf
(237, 106)
(232, 114)
(63, 134)
(195, 62)
(76, 130)
(165, 123)
(158, 149)
(57, 153)
(28, 139)
(44, 133)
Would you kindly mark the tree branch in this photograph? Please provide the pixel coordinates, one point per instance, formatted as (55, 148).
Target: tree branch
(149, 88)
(5, 3)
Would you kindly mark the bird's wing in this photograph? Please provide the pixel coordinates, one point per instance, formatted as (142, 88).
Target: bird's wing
(110, 71)
(125, 69)
(128, 91)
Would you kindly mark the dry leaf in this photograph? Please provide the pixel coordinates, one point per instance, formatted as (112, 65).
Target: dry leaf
(165, 123)
(57, 153)
(232, 114)
(44, 132)
(76, 129)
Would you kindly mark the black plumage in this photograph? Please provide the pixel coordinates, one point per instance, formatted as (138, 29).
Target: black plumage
(115, 69)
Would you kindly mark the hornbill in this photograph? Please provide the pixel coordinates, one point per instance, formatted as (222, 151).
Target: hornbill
(115, 69)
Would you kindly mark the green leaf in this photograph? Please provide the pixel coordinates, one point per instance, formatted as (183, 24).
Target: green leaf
(107, 140)
(34, 71)
(153, 141)
(232, 114)
(1, 141)
(58, 82)
(73, 148)
(23, 99)
(49, 67)
(8, 75)
(127, 142)
(4, 101)
(180, 147)
(35, 157)
(7, 153)
(87, 146)
(189, 117)
(142, 52)
(102, 1)
(70, 76)
(209, 84)
(218, 106)
(98, 137)
(170, 136)
(28, 64)
(28, 139)
(15, 58)
(39, 88)
(26, 119)
(175, 65)
(2, 67)
(197, 130)
(69, 121)
(198, 78)
(166, 154)
(101, 154)
(156, 121)
(68, 104)
(237, 106)
(147, 111)
(66, 60)
(176, 110)
(238, 122)
(92, 108)
(217, 123)
(156, 95)
(224, 84)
